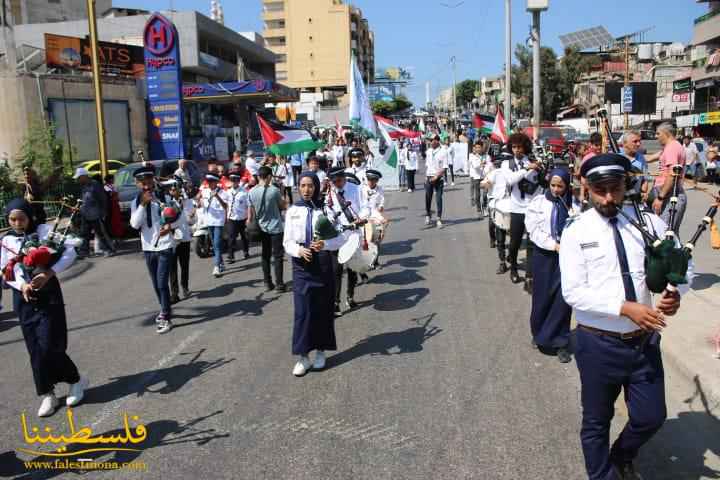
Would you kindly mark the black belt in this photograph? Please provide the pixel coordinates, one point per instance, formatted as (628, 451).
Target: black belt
(622, 336)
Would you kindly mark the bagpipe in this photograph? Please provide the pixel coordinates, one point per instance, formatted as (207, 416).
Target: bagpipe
(37, 256)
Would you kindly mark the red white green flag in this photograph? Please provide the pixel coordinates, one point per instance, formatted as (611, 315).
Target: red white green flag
(394, 131)
(286, 141)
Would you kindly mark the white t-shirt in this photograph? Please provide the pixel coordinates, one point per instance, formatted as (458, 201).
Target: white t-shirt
(477, 166)
(435, 161)
(412, 161)
(238, 205)
(213, 210)
(691, 154)
(252, 165)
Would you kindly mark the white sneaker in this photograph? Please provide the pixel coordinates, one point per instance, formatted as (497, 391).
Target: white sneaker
(439, 224)
(410, 190)
(427, 220)
(76, 392)
(319, 362)
(216, 272)
(302, 367)
(452, 183)
(48, 404)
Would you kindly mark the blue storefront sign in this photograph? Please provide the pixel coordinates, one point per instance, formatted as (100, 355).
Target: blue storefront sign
(627, 100)
(164, 89)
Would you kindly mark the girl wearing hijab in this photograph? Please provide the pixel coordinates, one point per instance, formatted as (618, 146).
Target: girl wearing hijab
(545, 221)
(38, 302)
(313, 277)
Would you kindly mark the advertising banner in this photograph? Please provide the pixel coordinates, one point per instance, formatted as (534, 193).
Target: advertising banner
(74, 53)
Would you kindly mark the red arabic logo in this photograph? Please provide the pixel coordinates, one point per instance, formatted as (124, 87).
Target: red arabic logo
(159, 35)
(193, 90)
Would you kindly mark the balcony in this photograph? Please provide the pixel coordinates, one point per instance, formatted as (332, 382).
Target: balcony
(707, 28)
(273, 32)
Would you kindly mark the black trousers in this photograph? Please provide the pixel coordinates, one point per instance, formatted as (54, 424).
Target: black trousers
(517, 232)
(272, 247)
(182, 258)
(452, 173)
(87, 227)
(431, 188)
(236, 227)
(352, 279)
(288, 194)
(492, 229)
(500, 237)
(410, 174)
(296, 171)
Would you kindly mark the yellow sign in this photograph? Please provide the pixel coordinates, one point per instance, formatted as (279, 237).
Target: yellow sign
(83, 436)
(713, 117)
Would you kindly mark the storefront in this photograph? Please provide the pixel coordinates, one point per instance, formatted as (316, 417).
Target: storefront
(706, 124)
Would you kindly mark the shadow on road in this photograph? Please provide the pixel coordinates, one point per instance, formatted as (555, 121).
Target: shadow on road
(159, 434)
(703, 281)
(400, 247)
(402, 299)
(169, 380)
(406, 277)
(685, 442)
(389, 343)
(418, 261)
(226, 289)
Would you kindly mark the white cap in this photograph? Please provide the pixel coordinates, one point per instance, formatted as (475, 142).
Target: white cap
(81, 172)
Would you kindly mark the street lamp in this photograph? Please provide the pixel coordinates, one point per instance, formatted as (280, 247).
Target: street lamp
(535, 7)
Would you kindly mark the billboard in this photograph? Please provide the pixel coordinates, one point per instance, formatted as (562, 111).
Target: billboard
(166, 132)
(74, 53)
(644, 96)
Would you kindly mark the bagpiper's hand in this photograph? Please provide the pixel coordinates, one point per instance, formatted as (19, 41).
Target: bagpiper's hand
(165, 230)
(146, 198)
(669, 303)
(40, 280)
(645, 317)
(27, 292)
(657, 206)
(306, 253)
(317, 246)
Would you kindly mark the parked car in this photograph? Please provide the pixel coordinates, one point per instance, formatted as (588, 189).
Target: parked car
(125, 180)
(551, 135)
(93, 166)
(647, 134)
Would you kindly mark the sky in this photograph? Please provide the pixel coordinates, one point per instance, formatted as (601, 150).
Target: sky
(422, 35)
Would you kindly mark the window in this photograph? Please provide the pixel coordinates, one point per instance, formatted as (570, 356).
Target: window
(281, 76)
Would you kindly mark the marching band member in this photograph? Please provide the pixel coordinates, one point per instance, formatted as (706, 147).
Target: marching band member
(436, 163)
(184, 242)
(545, 221)
(38, 302)
(498, 200)
(478, 161)
(157, 241)
(344, 191)
(313, 277)
(214, 201)
(603, 278)
(237, 216)
(372, 197)
(356, 167)
(522, 180)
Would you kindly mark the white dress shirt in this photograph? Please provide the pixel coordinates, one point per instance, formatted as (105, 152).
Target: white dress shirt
(185, 220)
(351, 193)
(538, 221)
(11, 244)
(412, 160)
(213, 210)
(403, 157)
(238, 204)
(436, 161)
(477, 166)
(518, 202)
(591, 275)
(359, 172)
(294, 236)
(252, 165)
(338, 155)
(150, 235)
(498, 190)
(373, 200)
(449, 153)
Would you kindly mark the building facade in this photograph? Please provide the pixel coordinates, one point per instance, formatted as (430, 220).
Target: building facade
(46, 11)
(314, 41)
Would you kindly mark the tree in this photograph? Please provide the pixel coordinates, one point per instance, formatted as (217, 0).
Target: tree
(42, 151)
(572, 67)
(386, 108)
(402, 103)
(466, 91)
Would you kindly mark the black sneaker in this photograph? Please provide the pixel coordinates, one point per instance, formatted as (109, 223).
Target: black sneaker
(529, 285)
(502, 268)
(626, 471)
(514, 276)
(338, 310)
(269, 287)
(246, 256)
(351, 304)
(564, 357)
(493, 244)
(281, 288)
(364, 278)
(230, 260)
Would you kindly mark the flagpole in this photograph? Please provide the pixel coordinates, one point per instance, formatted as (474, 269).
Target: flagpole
(508, 63)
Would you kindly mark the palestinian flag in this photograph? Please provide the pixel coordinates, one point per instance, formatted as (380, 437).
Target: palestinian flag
(286, 141)
(484, 123)
(394, 131)
(391, 154)
(499, 132)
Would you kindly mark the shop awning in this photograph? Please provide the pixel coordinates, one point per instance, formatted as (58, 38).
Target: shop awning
(250, 91)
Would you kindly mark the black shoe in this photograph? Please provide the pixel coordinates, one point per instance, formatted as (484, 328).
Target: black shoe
(246, 256)
(351, 303)
(529, 285)
(493, 244)
(626, 471)
(564, 357)
(281, 288)
(269, 287)
(502, 268)
(364, 278)
(174, 299)
(230, 260)
(338, 310)
(514, 277)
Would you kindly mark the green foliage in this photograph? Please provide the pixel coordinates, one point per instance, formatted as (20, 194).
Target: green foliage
(42, 151)
(7, 185)
(557, 76)
(465, 91)
(385, 108)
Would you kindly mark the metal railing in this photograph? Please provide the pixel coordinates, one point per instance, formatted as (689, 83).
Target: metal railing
(51, 210)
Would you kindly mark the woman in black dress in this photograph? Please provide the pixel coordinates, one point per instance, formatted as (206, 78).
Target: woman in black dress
(313, 277)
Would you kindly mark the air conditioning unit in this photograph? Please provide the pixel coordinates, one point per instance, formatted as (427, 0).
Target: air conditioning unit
(540, 5)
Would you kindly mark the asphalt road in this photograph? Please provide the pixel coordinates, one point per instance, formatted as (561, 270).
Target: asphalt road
(435, 377)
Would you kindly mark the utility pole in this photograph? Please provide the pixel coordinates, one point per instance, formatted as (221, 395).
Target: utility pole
(427, 94)
(536, 7)
(627, 77)
(453, 60)
(508, 63)
(8, 40)
(97, 84)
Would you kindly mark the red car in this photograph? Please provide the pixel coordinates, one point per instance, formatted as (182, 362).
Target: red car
(552, 136)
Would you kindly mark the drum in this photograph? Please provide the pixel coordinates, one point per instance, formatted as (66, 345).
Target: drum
(351, 245)
(375, 231)
(364, 258)
(501, 220)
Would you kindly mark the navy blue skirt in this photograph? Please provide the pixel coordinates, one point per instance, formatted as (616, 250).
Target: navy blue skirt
(550, 318)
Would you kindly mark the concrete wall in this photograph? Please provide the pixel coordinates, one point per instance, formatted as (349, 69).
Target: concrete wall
(21, 104)
(42, 11)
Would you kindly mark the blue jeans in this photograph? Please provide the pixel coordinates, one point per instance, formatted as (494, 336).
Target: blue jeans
(431, 188)
(158, 264)
(216, 237)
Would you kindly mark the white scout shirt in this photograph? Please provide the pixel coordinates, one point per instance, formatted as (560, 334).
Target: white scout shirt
(359, 172)
(538, 221)
(498, 190)
(436, 161)
(477, 166)
(214, 212)
(238, 204)
(294, 236)
(11, 245)
(518, 202)
(351, 193)
(412, 161)
(185, 220)
(373, 200)
(590, 269)
(149, 236)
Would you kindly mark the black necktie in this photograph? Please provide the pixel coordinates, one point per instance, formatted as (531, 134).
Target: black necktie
(630, 294)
